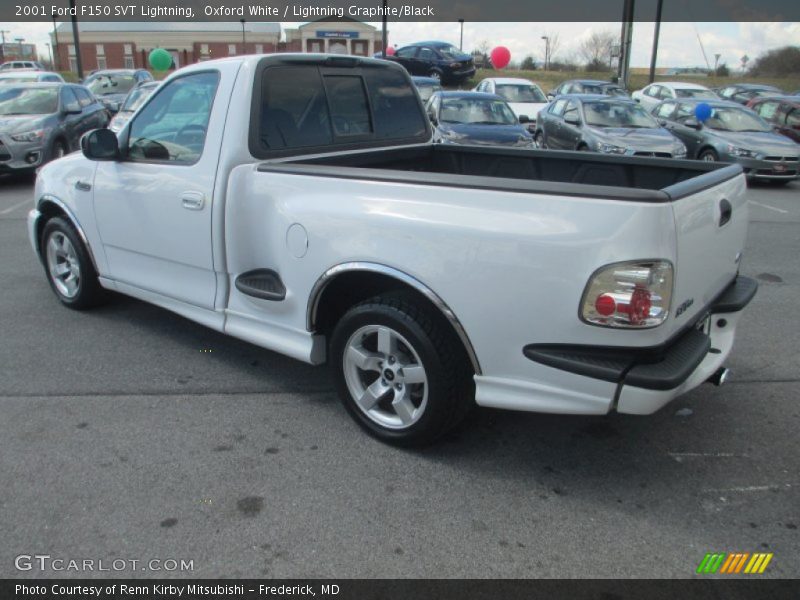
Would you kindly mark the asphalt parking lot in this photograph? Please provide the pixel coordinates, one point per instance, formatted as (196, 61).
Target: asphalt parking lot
(130, 433)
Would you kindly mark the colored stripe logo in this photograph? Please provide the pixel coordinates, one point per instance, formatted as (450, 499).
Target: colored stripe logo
(734, 563)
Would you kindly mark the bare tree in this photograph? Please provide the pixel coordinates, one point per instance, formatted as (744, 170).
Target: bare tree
(596, 49)
(553, 43)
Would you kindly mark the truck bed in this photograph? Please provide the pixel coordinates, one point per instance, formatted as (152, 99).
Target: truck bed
(530, 171)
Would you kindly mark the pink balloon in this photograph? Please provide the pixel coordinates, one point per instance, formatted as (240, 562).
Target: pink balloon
(500, 56)
(390, 51)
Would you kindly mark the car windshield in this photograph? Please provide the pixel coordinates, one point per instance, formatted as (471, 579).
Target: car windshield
(486, 111)
(691, 93)
(449, 51)
(736, 119)
(22, 79)
(520, 92)
(136, 98)
(617, 114)
(103, 85)
(28, 101)
(426, 90)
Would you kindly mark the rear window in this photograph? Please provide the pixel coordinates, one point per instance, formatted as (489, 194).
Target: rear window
(313, 107)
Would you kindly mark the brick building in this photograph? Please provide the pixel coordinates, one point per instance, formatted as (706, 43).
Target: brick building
(17, 51)
(127, 45)
(337, 36)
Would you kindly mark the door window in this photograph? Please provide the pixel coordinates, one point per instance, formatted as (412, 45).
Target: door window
(68, 99)
(172, 127)
(84, 97)
(426, 54)
(406, 52)
(793, 118)
(767, 110)
(665, 110)
(572, 110)
(558, 107)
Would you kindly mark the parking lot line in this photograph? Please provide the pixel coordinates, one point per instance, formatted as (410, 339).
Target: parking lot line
(780, 210)
(5, 211)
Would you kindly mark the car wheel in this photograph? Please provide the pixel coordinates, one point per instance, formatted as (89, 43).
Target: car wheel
(709, 155)
(400, 371)
(68, 267)
(59, 149)
(583, 148)
(538, 140)
(434, 74)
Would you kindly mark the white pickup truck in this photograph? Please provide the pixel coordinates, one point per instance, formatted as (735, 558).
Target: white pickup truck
(297, 202)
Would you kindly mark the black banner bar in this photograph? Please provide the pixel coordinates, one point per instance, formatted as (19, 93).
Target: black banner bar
(398, 10)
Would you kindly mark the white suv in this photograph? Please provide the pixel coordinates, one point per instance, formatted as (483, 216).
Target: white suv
(21, 64)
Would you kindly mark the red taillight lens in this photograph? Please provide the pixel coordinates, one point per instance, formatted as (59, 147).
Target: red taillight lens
(628, 295)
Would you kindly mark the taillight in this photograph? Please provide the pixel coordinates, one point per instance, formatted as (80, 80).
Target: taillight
(632, 295)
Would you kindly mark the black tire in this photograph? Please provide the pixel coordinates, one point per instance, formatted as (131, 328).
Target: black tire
(59, 149)
(89, 293)
(449, 385)
(708, 154)
(583, 148)
(538, 139)
(436, 74)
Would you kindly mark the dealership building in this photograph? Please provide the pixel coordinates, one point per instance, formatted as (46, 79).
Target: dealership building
(127, 45)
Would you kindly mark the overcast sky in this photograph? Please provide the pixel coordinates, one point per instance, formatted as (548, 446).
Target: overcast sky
(678, 47)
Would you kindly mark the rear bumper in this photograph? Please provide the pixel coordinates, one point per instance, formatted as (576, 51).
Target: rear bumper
(642, 380)
(769, 169)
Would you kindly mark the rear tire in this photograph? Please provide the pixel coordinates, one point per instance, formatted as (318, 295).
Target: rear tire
(68, 266)
(434, 74)
(400, 371)
(708, 155)
(538, 139)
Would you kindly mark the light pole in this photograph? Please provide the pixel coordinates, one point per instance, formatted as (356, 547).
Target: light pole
(244, 51)
(76, 39)
(656, 33)
(546, 51)
(716, 62)
(461, 39)
(57, 60)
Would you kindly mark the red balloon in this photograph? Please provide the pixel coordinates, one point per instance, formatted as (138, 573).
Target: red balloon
(500, 56)
(390, 51)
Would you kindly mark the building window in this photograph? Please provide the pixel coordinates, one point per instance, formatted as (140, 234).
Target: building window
(128, 48)
(72, 49)
(73, 65)
(100, 49)
(231, 49)
(203, 48)
(129, 62)
(259, 48)
(101, 63)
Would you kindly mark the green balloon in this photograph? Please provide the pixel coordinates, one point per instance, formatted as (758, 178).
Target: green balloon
(160, 59)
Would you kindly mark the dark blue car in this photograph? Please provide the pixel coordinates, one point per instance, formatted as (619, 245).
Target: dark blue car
(438, 60)
(476, 119)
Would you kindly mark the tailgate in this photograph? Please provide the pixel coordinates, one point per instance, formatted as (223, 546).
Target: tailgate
(711, 228)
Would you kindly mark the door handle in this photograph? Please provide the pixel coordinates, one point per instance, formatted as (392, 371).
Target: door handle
(193, 200)
(83, 186)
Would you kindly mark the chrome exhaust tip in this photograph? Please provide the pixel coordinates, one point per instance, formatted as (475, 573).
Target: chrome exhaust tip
(720, 376)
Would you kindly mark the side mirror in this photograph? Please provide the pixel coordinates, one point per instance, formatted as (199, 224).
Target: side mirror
(524, 119)
(572, 120)
(551, 96)
(73, 108)
(693, 124)
(433, 118)
(100, 144)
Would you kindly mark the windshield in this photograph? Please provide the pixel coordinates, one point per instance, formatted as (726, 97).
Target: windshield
(426, 90)
(103, 85)
(735, 119)
(28, 101)
(690, 93)
(136, 98)
(520, 93)
(613, 114)
(7, 80)
(483, 111)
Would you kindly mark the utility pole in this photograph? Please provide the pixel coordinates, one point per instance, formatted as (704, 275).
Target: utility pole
(655, 41)
(383, 31)
(3, 33)
(461, 39)
(623, 73)
(76, 39)
(546, 51)
(56, 58)
(243, 38)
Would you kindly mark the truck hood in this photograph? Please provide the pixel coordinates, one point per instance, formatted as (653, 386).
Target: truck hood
(489, 135)
(11, 124)
(765, 142)
(646, 140)
(530, 109)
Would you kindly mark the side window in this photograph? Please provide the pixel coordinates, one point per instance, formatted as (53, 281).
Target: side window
(51, 78)
(665, 110)
(572, 110)
(426, 54)
(727, 92)
(793, 118)
(767, 110)
(685, 111)
(83, 97)
(558, 107)
(347, 100)
(68, 99)
(407, 52)
(172, 127)
(665, 93)
(652, 91)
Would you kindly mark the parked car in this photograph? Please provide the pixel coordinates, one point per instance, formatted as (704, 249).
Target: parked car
(475, 118)
(524, 97)
(133, 100)
(426, 86)
(782, 112)
(607, 125)
(654, 93)
(22, 64)
(438, 60)
(429, 276)
(111, 86)
(43, 121)
(24, 76)
(588, 86)
(742, 93)
(732, 134)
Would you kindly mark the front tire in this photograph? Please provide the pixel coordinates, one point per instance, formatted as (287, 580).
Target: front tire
(538, 140)
(68, 266)
(709, 155)
(400, 370)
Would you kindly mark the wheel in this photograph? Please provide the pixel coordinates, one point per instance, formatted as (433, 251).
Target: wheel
(583, 148)
(68, 267)
(59, 149)
(434, 74)
(538, 139)
(400, 371)
(709, 155)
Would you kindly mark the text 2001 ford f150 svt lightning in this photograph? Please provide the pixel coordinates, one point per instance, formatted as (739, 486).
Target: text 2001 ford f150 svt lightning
(296, 202)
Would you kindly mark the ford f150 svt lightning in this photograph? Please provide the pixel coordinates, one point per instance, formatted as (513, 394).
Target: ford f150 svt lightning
(297, 202)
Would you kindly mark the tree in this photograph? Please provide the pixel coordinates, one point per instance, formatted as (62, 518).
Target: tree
(722, 71)
(528, 63)
(554, 44)
(596, 50)
(781, 62)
